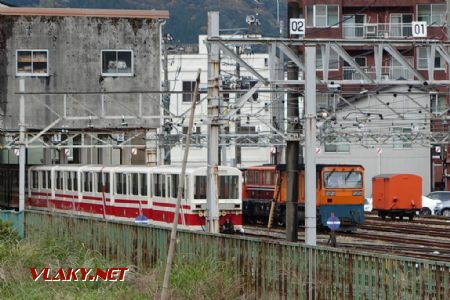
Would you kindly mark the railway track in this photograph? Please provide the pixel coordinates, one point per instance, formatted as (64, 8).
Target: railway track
(400, 238)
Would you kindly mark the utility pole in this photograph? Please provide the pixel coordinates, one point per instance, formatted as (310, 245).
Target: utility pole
(213, 124)
(238, 149)
(22, 152)
(166, 102)
(293, 142)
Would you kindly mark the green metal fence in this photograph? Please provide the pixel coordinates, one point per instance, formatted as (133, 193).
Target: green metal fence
(16, 218)
(268, 270)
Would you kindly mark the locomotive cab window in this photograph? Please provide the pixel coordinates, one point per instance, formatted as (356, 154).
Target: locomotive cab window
(343, 179)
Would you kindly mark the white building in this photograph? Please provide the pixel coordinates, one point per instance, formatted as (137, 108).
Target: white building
(182, 74)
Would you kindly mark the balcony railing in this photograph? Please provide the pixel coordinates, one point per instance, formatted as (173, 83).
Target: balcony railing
(377, 30)
(387, 73)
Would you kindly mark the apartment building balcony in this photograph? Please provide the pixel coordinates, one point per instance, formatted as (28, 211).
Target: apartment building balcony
(387, 73)
(377, 30)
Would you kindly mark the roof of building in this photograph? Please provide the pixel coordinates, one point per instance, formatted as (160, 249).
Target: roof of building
(76, 12)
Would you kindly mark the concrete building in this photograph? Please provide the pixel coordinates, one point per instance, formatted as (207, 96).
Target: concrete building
(377, 106)
(93, 69)
(182, 68)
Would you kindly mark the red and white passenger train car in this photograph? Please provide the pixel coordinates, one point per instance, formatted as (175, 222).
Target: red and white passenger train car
(126, 192)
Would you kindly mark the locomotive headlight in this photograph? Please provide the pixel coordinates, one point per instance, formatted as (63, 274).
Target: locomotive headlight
(330, 193)
(200, 214)
(223, 213)
(357, 193)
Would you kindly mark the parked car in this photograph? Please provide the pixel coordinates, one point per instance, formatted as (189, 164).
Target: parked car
(443, 208)
(429, 206)
(367, 204)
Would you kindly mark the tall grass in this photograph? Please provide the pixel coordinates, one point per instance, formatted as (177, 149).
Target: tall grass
(202, 279)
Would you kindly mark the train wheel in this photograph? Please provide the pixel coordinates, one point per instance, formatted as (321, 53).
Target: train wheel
(411, 216)
(446, 212)
(382, 215)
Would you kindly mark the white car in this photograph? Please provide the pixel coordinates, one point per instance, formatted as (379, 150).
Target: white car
(368, 204)
(428, 206)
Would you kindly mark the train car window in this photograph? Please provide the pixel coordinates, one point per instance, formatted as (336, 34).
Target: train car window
(174, 185)
(59, 178)
(143, 184)
(106, 182)
(156, 185)
(68, 179)
(75, 180)
(87, 181)
(35, 181)
(99, 181)
(163, 185)
(134, 184)
(159, 183)
(228, 187)
(121, 181)
(267, 177)
(200, 187)
(49, 179)
(44, 179)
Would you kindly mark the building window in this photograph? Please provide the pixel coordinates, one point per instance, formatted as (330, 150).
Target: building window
(422, 59)
(32, 63)
(188, 91)
(117, 63)
(433, 14)
(354, 26)
(333, 63)
(400, 25)
(402, 138)
(322, 16)
(350, 73)
(339, 145)
(438, 103)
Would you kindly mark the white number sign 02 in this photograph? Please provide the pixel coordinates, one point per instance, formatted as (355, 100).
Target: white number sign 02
(297, 26)
(419, 29)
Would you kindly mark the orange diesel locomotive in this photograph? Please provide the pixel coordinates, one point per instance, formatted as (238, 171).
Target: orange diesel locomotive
(340, 190)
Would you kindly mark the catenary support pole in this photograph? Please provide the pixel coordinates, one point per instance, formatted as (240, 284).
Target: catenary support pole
(293, 143)
(310, 162)
(213, 123)
(310, 145)
(22, 152)
(181, 181)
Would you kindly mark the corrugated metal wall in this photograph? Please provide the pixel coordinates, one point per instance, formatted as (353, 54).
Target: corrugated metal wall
(268, 270)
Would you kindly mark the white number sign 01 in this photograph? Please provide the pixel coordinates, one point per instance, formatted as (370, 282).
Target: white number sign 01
(297, 26)
(419, 29)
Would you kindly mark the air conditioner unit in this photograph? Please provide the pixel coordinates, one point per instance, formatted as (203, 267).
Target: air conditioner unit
(383, 35)
(371, 29)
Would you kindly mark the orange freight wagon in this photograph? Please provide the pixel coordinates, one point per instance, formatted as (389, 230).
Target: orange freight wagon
(397, 195)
